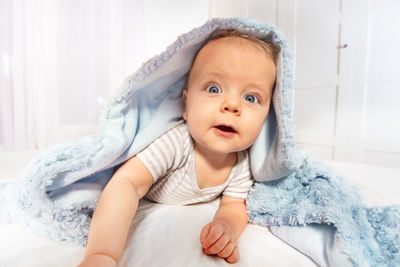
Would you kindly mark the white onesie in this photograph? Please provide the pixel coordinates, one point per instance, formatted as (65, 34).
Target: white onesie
(170, 160)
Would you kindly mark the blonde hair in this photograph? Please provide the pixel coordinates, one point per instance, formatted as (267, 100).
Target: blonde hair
(271, 49)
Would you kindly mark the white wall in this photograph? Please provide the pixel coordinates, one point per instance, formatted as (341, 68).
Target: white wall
(165, 20)
(61, 60)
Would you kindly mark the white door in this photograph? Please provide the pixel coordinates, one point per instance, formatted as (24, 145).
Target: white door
(371, 80)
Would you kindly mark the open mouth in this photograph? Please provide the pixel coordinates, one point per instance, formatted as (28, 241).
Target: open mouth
(226, 129)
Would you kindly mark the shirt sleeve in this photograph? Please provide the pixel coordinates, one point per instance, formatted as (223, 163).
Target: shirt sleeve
(163, 154)
(242, 181)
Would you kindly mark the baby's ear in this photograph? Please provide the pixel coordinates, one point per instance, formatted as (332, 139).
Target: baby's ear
(184, 93)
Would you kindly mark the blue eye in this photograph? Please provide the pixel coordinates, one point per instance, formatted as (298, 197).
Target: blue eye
(213, 89)
(251, 98)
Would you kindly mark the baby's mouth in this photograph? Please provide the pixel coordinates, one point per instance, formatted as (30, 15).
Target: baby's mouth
(225, 128)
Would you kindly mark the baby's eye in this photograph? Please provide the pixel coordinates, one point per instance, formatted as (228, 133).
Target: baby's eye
(251, 99)
(213, 89)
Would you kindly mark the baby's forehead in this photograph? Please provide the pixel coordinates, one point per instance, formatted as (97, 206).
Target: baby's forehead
(234, 41)
(221, 59)
(237, 43)
(228, 42)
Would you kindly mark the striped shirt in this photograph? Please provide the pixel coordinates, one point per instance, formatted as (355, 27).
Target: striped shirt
(170, 160)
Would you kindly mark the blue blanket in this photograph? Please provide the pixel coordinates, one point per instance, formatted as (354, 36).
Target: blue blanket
(58, 191)
(314, 194)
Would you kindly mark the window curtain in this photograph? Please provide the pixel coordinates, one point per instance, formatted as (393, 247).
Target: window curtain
(59, 62)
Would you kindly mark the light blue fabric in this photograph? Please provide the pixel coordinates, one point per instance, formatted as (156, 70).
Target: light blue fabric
(58, 191)
(314, 194)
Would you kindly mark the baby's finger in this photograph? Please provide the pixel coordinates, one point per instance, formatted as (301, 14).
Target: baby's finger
(218, 246)
(216, 231)
(227, 251)
(204, 233)
(234, 257)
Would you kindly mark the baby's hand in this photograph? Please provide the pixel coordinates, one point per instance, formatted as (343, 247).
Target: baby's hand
(217, 238)
(98, 261)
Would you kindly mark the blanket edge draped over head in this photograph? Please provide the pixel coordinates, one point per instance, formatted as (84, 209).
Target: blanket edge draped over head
(57, 192)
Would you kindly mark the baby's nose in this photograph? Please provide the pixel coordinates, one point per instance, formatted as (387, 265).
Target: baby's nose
(231, 105)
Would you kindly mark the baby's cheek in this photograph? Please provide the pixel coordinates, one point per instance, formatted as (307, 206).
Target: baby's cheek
(255, 132)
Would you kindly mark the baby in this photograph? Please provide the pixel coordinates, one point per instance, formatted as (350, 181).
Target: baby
(226, 101)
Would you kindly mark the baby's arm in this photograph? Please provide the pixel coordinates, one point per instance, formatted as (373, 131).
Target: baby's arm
(114, 213)
(221, 235)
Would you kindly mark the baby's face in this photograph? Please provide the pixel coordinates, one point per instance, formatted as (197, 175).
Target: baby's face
(228, 96)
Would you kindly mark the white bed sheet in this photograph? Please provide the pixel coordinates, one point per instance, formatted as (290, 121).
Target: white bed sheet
(164, 235)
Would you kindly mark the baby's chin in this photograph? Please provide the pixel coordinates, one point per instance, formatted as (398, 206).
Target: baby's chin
(225, 150)
(218, 145)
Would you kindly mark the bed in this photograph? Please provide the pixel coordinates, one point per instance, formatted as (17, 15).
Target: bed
(165, 235)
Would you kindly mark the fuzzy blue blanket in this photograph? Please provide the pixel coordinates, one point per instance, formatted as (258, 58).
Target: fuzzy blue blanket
(315, 194)
(58, 191)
